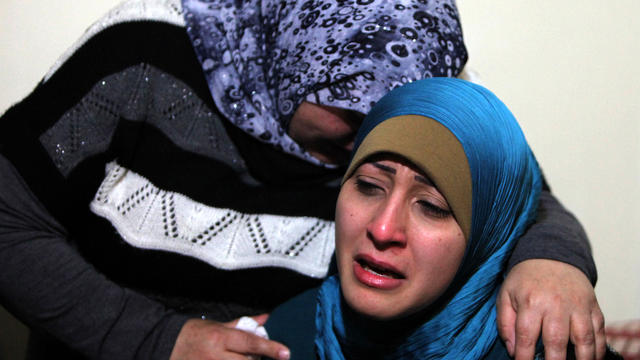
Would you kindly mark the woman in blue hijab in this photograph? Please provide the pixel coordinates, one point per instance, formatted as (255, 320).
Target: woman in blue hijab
(440, 186)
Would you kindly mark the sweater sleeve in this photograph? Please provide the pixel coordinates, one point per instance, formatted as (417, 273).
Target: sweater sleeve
(47, 284)
(556, 235)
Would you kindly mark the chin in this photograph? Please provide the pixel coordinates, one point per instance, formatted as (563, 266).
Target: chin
(367, 303)
(380, 305)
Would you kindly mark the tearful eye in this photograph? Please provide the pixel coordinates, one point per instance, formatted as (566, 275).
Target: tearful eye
(433, 210)
(367, 188)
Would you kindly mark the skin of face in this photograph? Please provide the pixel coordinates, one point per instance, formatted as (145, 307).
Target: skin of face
(325, 132)
(398, 245)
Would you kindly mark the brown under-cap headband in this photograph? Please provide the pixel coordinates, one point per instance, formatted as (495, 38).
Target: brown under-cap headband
(433, 149)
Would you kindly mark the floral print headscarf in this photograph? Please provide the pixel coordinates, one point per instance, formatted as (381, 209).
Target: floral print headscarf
(263, 58)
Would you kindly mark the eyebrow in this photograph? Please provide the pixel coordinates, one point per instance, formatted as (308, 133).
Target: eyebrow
(424, 180)
(419, 178)
(384, 168)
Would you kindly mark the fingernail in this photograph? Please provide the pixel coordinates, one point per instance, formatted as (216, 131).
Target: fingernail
(284, 354)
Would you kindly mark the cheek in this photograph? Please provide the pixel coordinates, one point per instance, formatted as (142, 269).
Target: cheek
(344, 227)
(439, 241)
(437, 260)
(350, 213)
(449, 251)
(351, 223)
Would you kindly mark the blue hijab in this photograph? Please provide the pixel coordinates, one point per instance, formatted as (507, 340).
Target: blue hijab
(505, 183)
(263, 58)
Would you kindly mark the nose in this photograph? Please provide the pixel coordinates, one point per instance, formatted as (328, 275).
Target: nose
(387, 227)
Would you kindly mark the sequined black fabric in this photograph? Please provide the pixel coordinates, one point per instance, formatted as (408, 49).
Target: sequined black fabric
(140, 93)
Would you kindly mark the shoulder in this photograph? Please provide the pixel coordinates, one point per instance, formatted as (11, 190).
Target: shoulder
(125, 15)
(136, 32)
(293, 324)
(136, 64)
(141, 46)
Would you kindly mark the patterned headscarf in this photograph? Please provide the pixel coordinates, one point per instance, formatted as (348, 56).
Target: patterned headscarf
(263, 58)
(505, 183)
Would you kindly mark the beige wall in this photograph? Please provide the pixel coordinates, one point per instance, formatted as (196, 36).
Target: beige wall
(568, 73)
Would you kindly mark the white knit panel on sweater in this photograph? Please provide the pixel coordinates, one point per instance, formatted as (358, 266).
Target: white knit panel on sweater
(151, 218)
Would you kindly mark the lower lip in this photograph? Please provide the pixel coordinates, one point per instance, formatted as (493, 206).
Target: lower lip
(375, 281)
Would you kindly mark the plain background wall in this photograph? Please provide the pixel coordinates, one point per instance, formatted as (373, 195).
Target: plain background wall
(567, 70)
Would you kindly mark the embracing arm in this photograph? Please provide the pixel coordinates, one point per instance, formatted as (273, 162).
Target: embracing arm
(556, 235)
(49, 286)
(549, 289)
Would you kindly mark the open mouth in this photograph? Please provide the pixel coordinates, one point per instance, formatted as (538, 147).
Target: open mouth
(379, 269)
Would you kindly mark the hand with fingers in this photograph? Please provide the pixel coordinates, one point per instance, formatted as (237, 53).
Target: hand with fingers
(555, 299)
(210, 340)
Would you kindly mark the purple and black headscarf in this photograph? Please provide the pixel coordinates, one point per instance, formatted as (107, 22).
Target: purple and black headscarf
(263, 58)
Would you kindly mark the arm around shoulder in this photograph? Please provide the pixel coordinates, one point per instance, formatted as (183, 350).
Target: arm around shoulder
(47, 284)
(556, 235)
(548, 290)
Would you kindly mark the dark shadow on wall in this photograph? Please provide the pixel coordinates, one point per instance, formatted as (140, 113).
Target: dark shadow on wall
(13, 337)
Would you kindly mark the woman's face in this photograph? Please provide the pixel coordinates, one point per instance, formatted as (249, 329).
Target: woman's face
(397, 243)
(326, 132)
